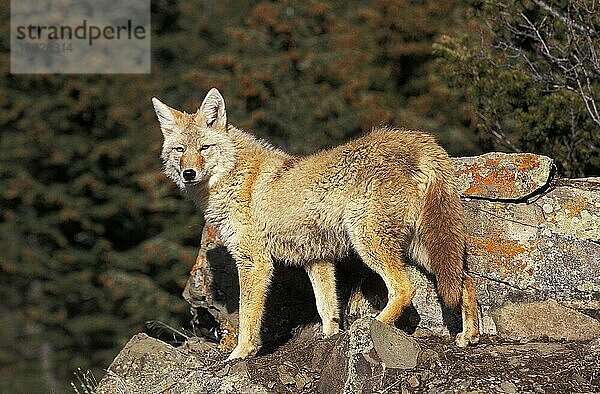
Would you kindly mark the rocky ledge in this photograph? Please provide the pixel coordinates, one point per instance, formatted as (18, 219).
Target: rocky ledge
(370, 357)
(532, 249)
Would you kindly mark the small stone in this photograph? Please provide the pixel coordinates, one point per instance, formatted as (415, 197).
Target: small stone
(223, 371)
(284, 375)
(594, 346)
(508, 387)
(465, 384)
(429, 355)
(240, 368)
(197, 345)
(426, 375)
(394, 348)
(514, 361)
(413, 381)
(578, 378)
(302, 381)
(289, 364)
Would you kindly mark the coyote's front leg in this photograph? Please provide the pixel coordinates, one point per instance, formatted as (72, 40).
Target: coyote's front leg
(322, 277)
(255, 275)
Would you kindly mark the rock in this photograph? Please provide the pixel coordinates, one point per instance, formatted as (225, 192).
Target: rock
(335, 367)
(523, 252)
(525, 245)
(594, 346)
(465, 384)
(149, 365)
(540, 319)
(223, 371)
(533, 253)
(429, 356)
(413, 381)
(366, 350)
(508, 387)
(394, 348)
(578, 378)
(302, 380)
(502, 176)
(285, 376)
(240, 368)
(523, 350)
(197, 345)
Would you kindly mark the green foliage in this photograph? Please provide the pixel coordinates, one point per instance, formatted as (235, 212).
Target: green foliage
(95, 240)
(526, 99)
(316, 73)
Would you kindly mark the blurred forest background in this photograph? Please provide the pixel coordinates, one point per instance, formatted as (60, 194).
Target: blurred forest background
(94, 240)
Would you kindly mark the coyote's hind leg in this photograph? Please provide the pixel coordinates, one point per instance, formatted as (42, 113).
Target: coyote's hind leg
(383, 254)
(470, 332)
(400, 292)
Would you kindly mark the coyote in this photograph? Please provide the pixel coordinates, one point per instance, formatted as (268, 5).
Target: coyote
(389, 195)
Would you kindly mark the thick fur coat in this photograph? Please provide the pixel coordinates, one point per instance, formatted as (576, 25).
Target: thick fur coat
(388, 195)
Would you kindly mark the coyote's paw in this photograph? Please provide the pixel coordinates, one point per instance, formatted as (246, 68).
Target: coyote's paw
(464, 339)
(330, 329)
(242, 352)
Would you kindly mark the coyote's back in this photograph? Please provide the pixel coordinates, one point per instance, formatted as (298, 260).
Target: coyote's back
(396, 185)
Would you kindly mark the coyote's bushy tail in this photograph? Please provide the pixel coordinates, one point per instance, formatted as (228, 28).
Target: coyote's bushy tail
(441, 233)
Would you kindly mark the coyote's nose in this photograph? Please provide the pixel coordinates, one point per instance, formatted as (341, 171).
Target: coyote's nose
(189, 175)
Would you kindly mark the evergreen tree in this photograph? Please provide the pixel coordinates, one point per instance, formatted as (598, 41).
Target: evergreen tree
(313, 74)
(532, 70)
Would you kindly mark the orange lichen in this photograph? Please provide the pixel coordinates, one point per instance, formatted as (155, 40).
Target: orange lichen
(506, 254)
(527, 162)
(530, 271)
(575, 206)
(199, 263)
(228, 336)
(213, 234)
(210, 240)
(495, 177)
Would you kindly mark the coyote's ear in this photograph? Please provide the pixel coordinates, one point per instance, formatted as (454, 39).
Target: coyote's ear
(166, 116)
(212, 110)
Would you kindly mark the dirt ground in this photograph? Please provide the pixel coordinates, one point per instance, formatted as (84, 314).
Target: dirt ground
(492, 366)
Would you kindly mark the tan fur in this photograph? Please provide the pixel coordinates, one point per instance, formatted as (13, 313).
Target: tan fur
(322, 277)
(387, 195)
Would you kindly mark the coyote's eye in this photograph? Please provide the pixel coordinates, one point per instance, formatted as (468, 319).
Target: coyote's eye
(205, 147)
(179, 149)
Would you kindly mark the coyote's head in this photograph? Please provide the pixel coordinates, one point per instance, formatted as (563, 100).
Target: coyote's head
(196, 148)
